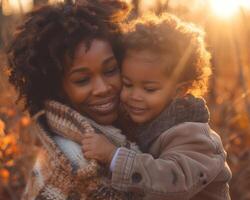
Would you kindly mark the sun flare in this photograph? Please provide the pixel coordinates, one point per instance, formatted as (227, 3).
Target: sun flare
(224, 8)
(228, 8)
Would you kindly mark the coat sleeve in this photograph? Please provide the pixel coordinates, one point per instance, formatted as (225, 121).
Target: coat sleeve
(190, 157)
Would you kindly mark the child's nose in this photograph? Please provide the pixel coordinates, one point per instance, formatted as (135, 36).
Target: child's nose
(136, 95)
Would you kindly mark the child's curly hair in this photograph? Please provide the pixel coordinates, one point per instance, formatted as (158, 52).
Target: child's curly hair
(184, 42)
(37, 53)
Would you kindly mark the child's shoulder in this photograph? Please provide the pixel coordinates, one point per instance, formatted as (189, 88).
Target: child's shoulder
(194, 134)
(187, 128)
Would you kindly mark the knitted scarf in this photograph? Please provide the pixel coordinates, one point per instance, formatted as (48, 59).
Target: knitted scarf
(180, 110)
(65, 178)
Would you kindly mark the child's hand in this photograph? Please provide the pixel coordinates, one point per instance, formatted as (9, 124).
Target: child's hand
(98, 147)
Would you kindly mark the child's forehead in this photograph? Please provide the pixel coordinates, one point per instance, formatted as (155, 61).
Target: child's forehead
(148, 56)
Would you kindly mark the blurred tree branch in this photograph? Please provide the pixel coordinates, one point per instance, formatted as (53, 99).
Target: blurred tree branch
(241, 78)
(162, 7)
(40, 2)
(1, 23)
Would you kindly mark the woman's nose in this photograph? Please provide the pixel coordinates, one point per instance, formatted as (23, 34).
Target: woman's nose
(101, 86)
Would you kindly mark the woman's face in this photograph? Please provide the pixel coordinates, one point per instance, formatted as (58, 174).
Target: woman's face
(92, 82)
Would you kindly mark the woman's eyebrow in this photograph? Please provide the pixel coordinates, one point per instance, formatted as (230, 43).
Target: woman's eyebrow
(78, 69)
(108, 60)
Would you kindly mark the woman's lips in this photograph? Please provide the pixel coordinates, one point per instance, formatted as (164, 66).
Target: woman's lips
(105, 107)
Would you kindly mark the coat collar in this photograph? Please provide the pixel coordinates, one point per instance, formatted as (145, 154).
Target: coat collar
(180, 110)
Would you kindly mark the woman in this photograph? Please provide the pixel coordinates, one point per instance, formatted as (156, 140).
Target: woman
(63, 64)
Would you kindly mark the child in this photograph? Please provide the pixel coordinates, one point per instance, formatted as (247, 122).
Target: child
(165, 68)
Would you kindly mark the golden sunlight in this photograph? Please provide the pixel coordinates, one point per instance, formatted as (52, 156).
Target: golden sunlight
(228, 8)
(245, 3)
(147, 5)
(55, 1)
(224, 8)
(16, 6)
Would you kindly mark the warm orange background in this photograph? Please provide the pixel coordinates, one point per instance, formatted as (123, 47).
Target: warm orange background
(227, 23)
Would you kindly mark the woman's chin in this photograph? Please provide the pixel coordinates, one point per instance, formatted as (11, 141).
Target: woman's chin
(107, 119)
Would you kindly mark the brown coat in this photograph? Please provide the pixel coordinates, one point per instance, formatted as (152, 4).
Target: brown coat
(185, 162)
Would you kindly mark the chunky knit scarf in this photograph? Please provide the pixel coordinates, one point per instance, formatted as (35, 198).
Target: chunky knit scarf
(58, 176)
(184, 109)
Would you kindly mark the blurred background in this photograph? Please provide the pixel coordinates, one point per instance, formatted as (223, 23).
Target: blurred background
(227, 25)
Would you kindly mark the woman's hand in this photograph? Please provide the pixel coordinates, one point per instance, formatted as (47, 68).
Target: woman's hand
(98, 147)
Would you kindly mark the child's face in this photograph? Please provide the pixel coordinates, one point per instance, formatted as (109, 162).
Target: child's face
(146, 90)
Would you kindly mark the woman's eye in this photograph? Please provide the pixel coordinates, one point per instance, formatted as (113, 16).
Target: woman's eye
(112, 70)
(83, 81)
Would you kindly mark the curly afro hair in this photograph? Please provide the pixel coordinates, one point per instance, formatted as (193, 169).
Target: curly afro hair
(167, 35)
(48, 34)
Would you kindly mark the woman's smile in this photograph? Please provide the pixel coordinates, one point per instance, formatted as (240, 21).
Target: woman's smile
(105, 106)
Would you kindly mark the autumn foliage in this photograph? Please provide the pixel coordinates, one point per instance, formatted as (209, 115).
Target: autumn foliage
(17, 147)
(227, 98)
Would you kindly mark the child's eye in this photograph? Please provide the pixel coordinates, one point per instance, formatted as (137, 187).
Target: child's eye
(150, 90)
(82, 81)
(127, 85)
(111, 71)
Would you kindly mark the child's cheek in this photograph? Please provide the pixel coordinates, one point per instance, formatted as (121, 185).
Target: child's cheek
(124, 95)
